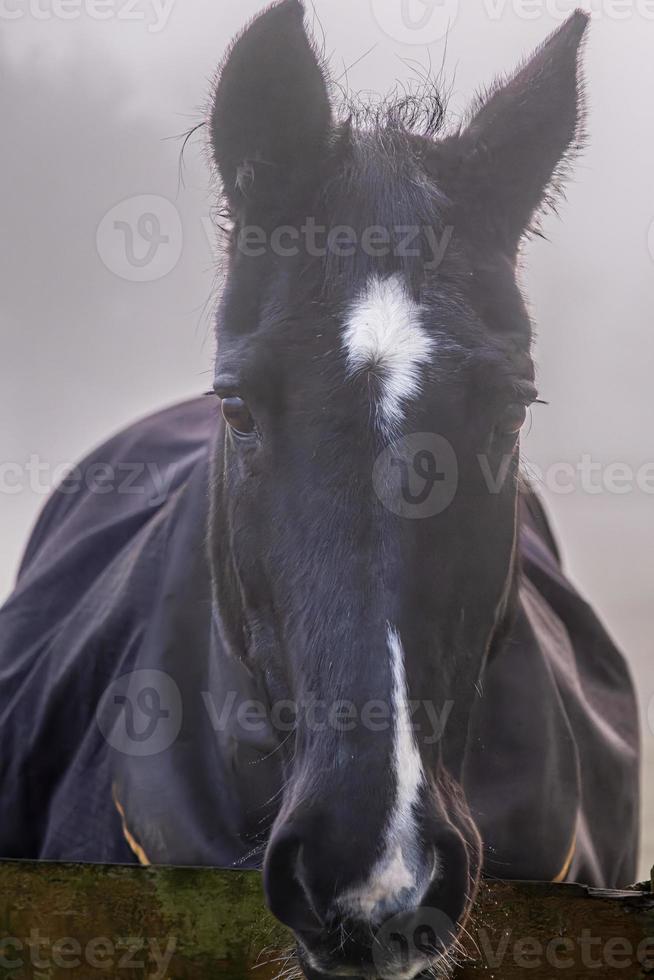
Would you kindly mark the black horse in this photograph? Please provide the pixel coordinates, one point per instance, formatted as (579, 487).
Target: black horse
(320, 627)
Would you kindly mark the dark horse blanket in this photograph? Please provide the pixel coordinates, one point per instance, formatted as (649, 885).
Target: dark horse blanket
(127, 731)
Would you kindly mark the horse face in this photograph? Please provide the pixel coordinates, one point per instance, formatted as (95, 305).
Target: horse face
(364, 514)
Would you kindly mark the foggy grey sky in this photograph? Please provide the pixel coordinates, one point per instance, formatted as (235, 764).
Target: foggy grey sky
(88, 108)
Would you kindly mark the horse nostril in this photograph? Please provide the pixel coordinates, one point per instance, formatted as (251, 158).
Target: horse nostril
(287, 895)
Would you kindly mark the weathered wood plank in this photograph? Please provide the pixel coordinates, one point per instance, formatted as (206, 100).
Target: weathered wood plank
(62, 921)
(543, 930)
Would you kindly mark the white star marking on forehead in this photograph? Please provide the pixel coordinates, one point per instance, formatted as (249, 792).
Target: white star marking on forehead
(384, 334)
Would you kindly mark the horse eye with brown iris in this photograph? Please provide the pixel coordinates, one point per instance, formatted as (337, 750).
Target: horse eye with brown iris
(237, 415)
(512, 420)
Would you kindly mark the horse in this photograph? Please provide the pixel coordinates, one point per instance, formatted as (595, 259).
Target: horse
(318, 625)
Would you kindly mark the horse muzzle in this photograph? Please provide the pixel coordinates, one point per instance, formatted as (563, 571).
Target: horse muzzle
(396, 922)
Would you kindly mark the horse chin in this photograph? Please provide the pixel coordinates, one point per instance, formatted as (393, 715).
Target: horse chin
(439, 968)
(366, 966)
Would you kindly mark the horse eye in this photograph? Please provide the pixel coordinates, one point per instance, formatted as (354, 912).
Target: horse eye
(512, 420)
(237, 415)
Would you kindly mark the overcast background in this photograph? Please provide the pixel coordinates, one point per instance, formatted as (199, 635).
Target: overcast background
(92, 96)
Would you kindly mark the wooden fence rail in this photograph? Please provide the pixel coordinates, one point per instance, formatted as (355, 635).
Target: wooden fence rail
(61, 921)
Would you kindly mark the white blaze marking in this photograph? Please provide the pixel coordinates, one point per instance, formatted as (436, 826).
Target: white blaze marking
(397, 870)
(384, 335)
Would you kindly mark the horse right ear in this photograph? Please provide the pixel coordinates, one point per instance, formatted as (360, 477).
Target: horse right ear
(511, 158)
(271, 117)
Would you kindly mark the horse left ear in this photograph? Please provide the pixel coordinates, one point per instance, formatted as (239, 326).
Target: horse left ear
(271, 117)
(509, 160)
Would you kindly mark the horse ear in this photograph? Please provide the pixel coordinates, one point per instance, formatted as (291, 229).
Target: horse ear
(512, 156)
(271, 115)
